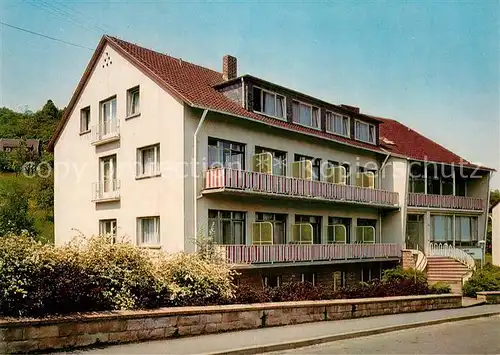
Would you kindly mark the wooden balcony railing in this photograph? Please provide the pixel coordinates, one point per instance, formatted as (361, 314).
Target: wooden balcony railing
(289, 186)
(445, 201)
(282, 253)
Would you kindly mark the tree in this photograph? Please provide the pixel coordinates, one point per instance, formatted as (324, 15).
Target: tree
(14, 208)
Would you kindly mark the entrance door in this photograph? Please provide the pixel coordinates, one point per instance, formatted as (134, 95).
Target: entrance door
(415, 232)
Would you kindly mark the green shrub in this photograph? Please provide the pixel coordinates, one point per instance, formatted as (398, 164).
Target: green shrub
(440, 288)
(399, 273)
(485, 279)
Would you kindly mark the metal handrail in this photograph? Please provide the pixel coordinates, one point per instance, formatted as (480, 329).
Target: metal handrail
(447, 250)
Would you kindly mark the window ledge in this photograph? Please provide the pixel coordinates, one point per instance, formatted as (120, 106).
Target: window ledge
(142, 177)
(304, 125)
(270, 116)
(362, 141)
(338, 134)
(150, 246)
(133, 116)
(84, 132)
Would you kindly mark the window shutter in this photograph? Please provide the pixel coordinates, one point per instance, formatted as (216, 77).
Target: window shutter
(331, 174)
(307, 170)
(359, 179)
(262, 233)
(296, 167)
(369, 180)
(302, 233)
(340, 233)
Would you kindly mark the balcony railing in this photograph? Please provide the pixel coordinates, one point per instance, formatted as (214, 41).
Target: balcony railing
(106, 191)
(282, 253)
(249, 181)
(107, 131)
(445, 201)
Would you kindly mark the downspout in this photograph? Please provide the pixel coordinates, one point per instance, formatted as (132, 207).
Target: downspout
(405, 204)
(487, 210)
(195, 177)
(384, 163)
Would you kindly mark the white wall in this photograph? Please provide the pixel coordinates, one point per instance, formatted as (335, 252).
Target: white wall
(495, 235)
(76, 159)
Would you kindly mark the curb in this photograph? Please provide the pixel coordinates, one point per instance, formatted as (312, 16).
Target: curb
(344, 336)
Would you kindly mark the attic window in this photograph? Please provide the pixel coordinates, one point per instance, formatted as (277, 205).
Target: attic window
(364, 132)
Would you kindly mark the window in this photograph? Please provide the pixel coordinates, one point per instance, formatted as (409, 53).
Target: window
(338, 124)
(315, 222)
(338, 279)
(279, 225)
(441, 229)
(305, 114)
(366, 178)
(309, 277)
(315, 165)
(225, 154)
(85, 120)
(269, 103)
(148, 161)
(228, 227)
(108, 122)
(148, 230)
(133, 102)
(366, 274)
(338, 231)
(417, 178)
(364, 132)
(466, 231)
(108, 227)
(278, 160)
(107, 174)
(272, 280)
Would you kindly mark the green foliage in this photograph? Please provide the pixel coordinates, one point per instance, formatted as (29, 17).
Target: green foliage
(485, 279)
(14, 208)
(399, 273)
(440, 288)
(91, 274)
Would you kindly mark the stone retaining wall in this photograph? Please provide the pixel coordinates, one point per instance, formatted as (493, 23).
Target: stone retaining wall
(129, 326)
(491, 297)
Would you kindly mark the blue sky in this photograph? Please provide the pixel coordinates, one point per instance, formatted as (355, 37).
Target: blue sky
(432, 65)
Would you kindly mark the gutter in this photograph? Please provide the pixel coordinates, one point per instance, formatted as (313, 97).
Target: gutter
(195, 177)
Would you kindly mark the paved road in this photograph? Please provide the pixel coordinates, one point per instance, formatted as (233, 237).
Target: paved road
(476, 336)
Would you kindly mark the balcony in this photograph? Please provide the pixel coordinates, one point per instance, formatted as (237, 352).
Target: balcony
(240, 181)
(106, 132)
(283, 253)
(107, 191)
(445, 202)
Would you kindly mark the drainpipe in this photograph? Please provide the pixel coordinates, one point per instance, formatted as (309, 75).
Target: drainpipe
(195, 177)
(487, 207)
(405, 204)
(384, 163)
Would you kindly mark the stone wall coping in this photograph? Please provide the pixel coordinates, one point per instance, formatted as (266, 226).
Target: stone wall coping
(182, 311)
(487, 293)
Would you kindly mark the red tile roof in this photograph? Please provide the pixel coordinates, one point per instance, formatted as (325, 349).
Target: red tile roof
(194, 85)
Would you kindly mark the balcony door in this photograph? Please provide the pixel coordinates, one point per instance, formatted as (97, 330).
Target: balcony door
(415, 232)
(107, 176)
(108, 117)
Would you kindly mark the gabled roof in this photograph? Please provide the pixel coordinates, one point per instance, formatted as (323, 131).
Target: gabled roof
(196, 86)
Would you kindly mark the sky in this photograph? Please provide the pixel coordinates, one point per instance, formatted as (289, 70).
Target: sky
(433, 65)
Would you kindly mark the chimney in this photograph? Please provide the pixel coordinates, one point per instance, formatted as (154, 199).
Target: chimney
(229, 67)
(350, 108)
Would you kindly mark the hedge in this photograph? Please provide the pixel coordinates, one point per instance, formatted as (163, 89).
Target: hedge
(485, 279)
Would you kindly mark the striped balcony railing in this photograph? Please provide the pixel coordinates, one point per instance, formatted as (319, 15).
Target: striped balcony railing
(445, 201)
(288, 186)
(282, 253)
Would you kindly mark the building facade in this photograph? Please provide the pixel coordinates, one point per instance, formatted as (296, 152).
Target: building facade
(158, 151)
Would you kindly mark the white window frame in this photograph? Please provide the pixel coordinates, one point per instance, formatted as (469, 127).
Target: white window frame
(311, 118)
(140, 236)
(130, 93)
(140, 161)
(113, 225)
(85, 114)
(275, 103)
(113, 115)
(113, 176)
(369, 125)
(332, 125)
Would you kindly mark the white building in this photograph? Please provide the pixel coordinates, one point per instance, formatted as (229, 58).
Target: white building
(291, 184)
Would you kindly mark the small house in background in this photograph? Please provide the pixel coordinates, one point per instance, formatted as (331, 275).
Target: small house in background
(8, 145)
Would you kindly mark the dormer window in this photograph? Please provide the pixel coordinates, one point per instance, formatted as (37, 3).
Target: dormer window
(364, 132)
(305, 114)
(269, 103)
(338, 124)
